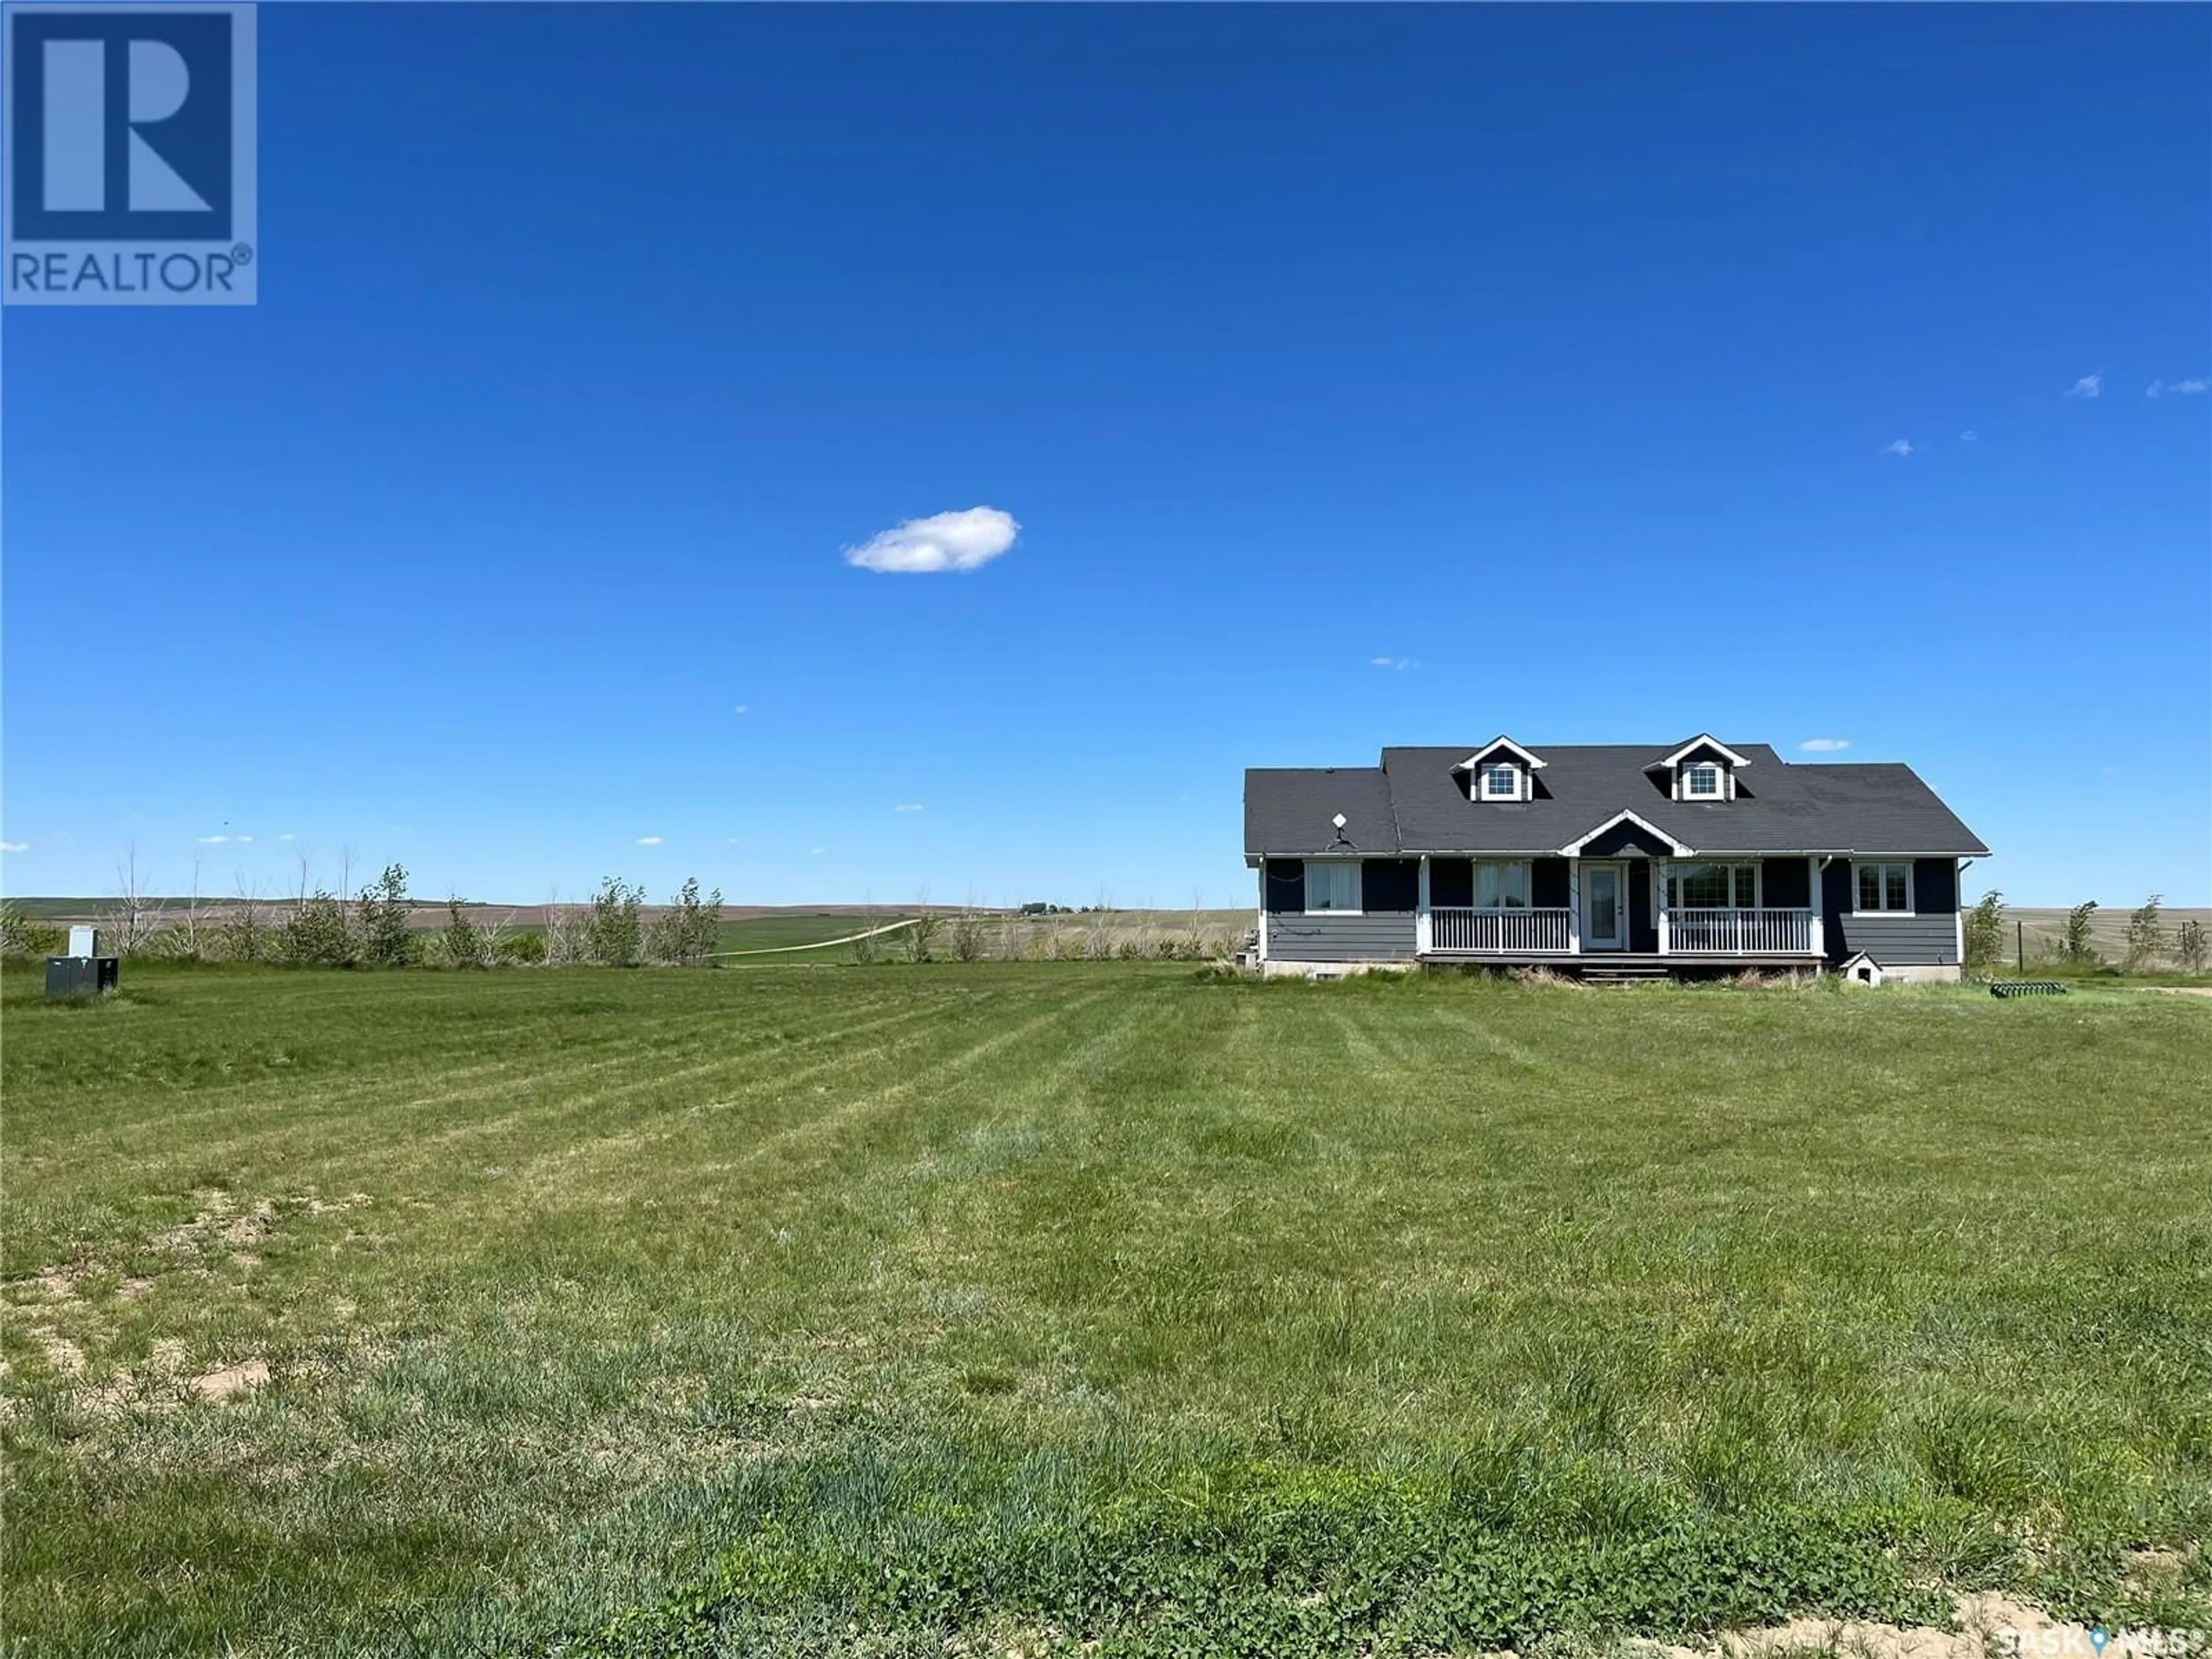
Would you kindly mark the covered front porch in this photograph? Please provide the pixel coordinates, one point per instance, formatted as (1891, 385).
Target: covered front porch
(1751, 911)
(1621, 906)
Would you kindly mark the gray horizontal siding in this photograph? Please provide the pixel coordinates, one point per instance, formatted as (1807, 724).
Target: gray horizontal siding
(1340, 938)
(1902, 941)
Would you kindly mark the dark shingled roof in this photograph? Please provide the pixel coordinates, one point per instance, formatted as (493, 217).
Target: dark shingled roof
(1413, 803)
(1298, 806)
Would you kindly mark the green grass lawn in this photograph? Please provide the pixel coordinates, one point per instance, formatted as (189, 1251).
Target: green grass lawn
(845, 1311)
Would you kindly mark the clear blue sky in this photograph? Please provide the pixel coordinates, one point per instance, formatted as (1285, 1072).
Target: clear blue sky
(1555, 354)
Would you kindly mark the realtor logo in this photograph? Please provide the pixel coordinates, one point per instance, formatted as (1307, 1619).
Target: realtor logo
(131, 151)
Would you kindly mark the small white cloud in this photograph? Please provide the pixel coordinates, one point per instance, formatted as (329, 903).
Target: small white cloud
(908, 807)
(2089, 385)
(2193, 388)
(1823, 745)
(741, 709)
(213, 840)
(648, 841)
(1392, 662)
(944, 541)
(244, 838)
(816, 851)
(1900, 448)
(14, 846)
(286, 835)
(1970, 436)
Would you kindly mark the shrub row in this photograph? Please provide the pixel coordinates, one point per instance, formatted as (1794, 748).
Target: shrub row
(973, 936)
(374, 928)
(2147, 945)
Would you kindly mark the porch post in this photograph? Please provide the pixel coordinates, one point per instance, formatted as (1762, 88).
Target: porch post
(1659, 869)
(1423, 929)
(1815, 868)
(1959, 910)
(1263, 909)
(1575, 906)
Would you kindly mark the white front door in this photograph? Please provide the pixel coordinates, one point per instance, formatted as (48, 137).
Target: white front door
(1605, 908)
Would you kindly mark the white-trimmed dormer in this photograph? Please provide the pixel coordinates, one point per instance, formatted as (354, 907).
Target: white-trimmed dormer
(1702, 769)
(1501, 771)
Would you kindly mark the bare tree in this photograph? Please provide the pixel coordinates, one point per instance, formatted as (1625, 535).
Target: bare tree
(2191, 947)
(135, 914)
(968, 931)
(923, 934)
(564, 933)
(195, 913)
(245, 931)
(866, 947)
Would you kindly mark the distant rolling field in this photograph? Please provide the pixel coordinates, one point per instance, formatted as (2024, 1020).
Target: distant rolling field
(2108, 928)
(427, 913)
(788, 928)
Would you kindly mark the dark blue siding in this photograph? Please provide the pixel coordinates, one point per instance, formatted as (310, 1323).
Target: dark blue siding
(1340, 938)
(1547, 883)
(1926, 938)
(1785, 884)
(1935, 886)
(1642, 927)
(1624, 839)
(1451, 882)
(1390, 885)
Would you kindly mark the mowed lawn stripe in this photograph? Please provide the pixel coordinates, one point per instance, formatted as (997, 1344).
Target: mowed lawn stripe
(317, 1137)
(898, 1066)
(532, 1046)
(887, 1244)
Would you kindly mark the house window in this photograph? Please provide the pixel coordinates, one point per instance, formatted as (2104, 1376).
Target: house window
(1702, 782)
(1501, 885)
(1712, 887)
(1885, 887)
(1501, 781)
(1333, 884)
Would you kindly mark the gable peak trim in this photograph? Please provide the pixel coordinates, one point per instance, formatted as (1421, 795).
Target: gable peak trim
(1574, 847)
(1501, 741)
(1703, 740)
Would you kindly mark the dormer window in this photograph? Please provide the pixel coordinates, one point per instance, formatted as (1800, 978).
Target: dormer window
(1501, 770)
(1703, 768)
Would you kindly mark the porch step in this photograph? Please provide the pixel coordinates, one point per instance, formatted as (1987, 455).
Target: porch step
(1624, 976)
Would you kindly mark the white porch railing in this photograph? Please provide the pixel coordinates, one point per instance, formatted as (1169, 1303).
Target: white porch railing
(1501, 932)
(1737, 933)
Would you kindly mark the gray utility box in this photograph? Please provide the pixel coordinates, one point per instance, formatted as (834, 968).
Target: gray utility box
(80, 976)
